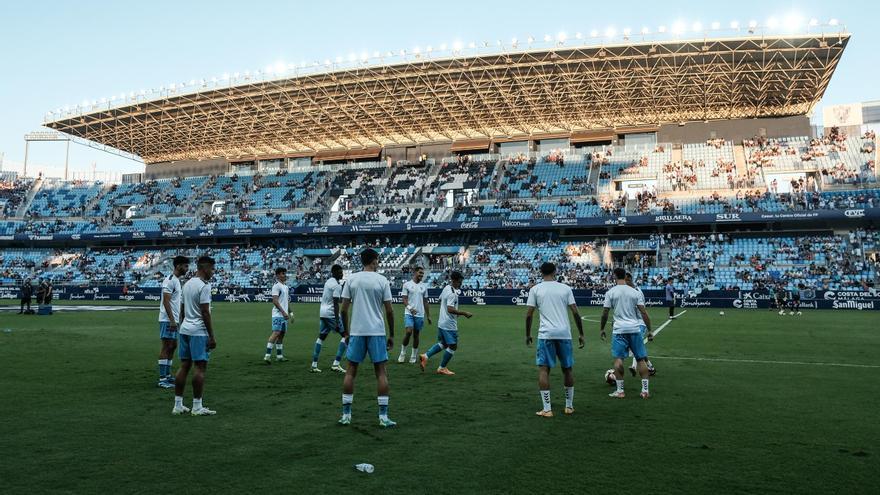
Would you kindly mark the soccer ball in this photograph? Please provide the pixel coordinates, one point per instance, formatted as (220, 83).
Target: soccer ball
(721, 313)
(610, 379)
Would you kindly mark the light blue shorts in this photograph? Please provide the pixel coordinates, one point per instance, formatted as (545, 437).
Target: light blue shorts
(194, 348)
(623, 343)
(165, 331)
(550, 349)
(361, 345)
(447, 337)
(330, 325)
(414, 322)
(279, 325)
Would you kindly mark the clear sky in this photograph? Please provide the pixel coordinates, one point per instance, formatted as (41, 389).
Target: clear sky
(60, 53)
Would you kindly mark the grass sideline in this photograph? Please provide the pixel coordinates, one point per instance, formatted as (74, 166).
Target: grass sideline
(81, 414)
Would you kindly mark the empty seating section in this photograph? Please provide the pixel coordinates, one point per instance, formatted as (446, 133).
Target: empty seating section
(63, 199)
(546, 178)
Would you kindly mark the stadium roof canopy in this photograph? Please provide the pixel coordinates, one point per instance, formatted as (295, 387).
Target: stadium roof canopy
(549, 92)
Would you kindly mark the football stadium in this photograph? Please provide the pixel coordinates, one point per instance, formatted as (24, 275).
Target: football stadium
(388, 271)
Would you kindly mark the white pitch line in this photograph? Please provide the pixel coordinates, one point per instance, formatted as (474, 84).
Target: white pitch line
(661, 327)
(761, 361)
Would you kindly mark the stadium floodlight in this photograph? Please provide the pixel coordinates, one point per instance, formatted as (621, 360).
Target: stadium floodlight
(561, 36)
(772, 23)
(594, 33)
(472, 45)
(417, 50)
(547, 38)
(578, 35)
(792, 22)
(376, 54)
(753, 24)
(627, 31)
(442, 47)
(338, 60)
(269, 69)
(225, 76)
(403, 52)
(280, 67)
(430, 48)
(610, 32)
(814, 22)
(833, 22)
(365, 56)
(645, 30)
(352, 57)
(103, 99)
(530, 39)
(457, 46)
(734, 24)
(678, 28)
(716, 25)
(697, 27)
(661, 29)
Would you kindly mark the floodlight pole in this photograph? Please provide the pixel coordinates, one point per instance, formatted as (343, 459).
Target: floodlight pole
(26, 146)
(66, 158)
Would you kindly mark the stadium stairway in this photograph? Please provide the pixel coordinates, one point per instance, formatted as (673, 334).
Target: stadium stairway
(739, 156)
(32, 193)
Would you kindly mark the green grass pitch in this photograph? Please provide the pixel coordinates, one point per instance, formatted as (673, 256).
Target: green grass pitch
(80, 412)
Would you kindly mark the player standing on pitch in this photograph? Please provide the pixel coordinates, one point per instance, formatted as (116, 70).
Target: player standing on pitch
(364, 295)
(553, 299)
(643, 329)
(330, 321)
(416, 310)
(447, 325)
(196, 338)
(169, 317)
(627, 304)
(670, 298)
(280, 316)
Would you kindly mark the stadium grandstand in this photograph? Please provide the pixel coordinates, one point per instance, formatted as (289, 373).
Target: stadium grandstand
(437, 157)
(465, 205)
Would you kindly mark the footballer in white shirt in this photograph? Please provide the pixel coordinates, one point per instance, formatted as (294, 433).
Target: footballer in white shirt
(330, 320)
(280, 316)
(366, 298)
(196, 338)
(447, 325)
(416, 311)
(169, 320)
(633, 366)
(553, 300)
(628, 304)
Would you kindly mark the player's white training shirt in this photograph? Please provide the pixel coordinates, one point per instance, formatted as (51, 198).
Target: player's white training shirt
(416, 296)
(171, 285)
(641, 295)
(283, 293)
(332, 289)
(552, 300)
(195, 292)
(367, 291)
(624, 299)
(446, 321)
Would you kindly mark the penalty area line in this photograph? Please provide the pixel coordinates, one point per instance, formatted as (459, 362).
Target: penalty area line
(762, 361)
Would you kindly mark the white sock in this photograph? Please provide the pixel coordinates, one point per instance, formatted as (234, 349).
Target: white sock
(545, 399)
(569, 397)
(197, 404)
(402, 350)
(415, 353)
(620, 385)
(650, 365)
(178, 401)
(644, 385)
(279, 350)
